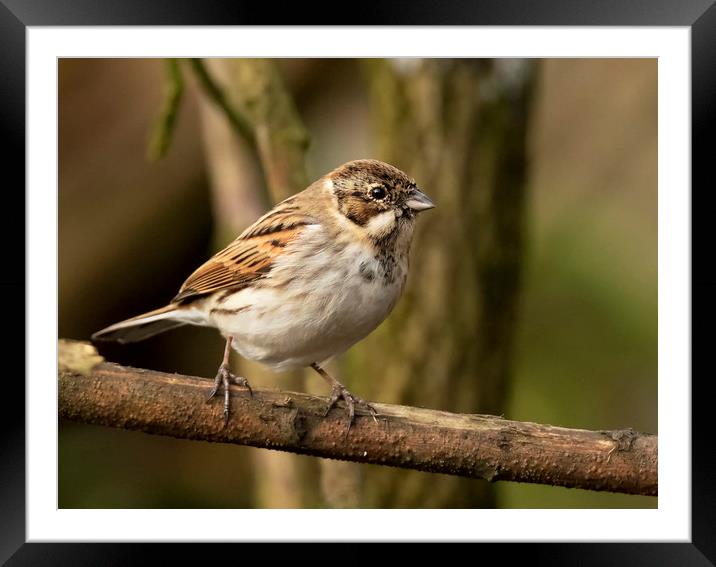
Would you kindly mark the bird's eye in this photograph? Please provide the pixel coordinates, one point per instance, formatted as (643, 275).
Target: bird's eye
(377, 193)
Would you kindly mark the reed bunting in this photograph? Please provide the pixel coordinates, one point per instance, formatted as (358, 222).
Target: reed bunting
(306, 281)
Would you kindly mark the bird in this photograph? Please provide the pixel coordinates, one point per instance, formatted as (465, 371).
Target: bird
(305, 282)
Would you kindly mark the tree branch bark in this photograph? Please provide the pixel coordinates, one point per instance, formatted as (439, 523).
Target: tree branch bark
(475, 446)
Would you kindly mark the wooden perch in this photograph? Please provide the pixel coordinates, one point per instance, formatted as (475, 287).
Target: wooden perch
(475, 446)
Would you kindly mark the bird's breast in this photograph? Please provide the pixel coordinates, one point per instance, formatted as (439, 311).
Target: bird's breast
(316, 303)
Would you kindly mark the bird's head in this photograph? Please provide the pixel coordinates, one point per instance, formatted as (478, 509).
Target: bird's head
(377, 196)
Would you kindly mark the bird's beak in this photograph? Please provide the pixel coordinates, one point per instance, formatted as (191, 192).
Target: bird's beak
(419, 201)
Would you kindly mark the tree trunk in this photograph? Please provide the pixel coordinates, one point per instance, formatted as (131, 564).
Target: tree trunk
(459, 127)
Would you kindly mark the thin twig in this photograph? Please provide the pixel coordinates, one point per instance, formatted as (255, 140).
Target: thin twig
(165, 124)
(475, 446)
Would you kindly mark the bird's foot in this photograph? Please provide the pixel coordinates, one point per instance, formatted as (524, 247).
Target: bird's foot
(225, 377)
(338, 392)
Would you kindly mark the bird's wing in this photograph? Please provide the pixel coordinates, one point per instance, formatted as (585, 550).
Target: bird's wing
(249, 257)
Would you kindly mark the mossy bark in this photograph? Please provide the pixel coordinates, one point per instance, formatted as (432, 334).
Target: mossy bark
(459, 127)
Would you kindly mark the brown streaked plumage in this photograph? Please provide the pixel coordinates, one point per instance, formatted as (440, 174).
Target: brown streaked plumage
(249, 257)
(307, 280)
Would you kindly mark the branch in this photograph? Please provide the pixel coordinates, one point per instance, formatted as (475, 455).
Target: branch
(240, 124)
(476, 446)
(261, 110)
(281, 137)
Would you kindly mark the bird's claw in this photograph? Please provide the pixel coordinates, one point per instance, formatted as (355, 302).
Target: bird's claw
(240, 381)
(340, 392)
(225, 377)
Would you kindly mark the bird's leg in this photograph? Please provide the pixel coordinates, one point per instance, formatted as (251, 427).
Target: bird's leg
(225, 377)
(339, 391)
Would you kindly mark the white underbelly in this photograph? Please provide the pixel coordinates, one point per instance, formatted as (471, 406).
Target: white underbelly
(301, 323)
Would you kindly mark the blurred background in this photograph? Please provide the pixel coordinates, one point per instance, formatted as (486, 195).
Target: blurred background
(533, 284)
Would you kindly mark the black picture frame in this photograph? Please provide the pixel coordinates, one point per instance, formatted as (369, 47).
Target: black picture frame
(17, 15)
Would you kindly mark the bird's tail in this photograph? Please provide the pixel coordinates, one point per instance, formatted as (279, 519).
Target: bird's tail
(141, 327)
